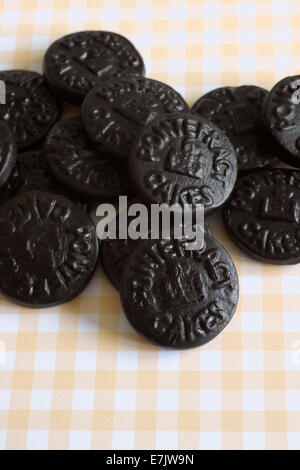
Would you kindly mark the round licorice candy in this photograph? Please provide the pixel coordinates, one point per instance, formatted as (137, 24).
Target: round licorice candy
(115, 112)
(76, 63)
(262, 215)
(237, 111)
(281, 111)
(114, 253)
(77, 164)
(49, 249)
(8, 152)
(178, 298)
(30, 110)
(183, 159)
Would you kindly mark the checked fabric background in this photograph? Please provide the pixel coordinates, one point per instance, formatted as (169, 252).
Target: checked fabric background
(77, 376)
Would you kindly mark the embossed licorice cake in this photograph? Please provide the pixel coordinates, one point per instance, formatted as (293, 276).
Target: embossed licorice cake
(76, 63)
(183, 159)
(31, 173)
(80, 166)
(115, 112)
(281, 111)
(8, 152)
(237, 111)
(48, 251)
(30, 110)
(114, 253)
(179, 298)
(262, 215)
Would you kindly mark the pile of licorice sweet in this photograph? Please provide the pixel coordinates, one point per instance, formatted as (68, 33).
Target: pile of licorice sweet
(138, 137)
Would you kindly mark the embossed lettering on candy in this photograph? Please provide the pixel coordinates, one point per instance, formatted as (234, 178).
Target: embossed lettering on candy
(114, 254)
(49, 249)
(30, 110)
(263, 213)
(185, 159)
(282, 115)
(78, 165)
(179, 298)
(115, 112)
(237, 111)
(77, 62)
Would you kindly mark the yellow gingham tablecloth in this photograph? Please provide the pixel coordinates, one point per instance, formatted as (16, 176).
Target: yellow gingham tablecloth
(77, 376)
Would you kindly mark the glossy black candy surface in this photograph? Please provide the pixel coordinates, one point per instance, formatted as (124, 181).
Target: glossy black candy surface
(114, 254)
(77, 62)
(281, 111)
(116, 112)
(179, 298)
(32, 174)
(183, 159)
(81, 167)
(237, 111)
(49, 249)
(30, 110)
(262, 215)
(8, 152)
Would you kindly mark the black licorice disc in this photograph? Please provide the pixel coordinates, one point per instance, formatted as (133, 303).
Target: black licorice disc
(183, 159)
(77, 62)
(281, 111)
(237, 111)
(49, 249)
(31, 173)
(8, 152)
(114, 254)
(262, 215)
(177, 298)
(77, 164)
(30, 110)
(115, 112)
